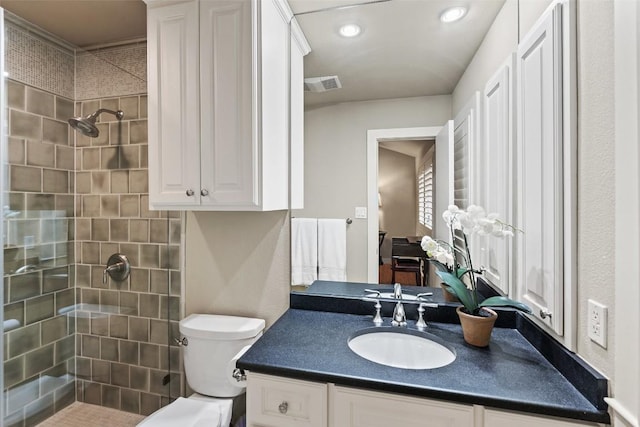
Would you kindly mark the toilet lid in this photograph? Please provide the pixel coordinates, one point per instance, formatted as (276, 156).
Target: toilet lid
(191, 413)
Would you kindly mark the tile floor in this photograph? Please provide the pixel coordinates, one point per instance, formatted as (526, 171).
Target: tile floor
(80, 414)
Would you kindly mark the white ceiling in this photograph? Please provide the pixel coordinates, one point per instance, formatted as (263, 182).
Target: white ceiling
(85, 23)
(404, 50)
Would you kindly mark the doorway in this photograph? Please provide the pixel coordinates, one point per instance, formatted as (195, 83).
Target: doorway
(374, 139)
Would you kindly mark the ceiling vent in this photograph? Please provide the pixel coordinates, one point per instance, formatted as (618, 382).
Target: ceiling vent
(321, 84)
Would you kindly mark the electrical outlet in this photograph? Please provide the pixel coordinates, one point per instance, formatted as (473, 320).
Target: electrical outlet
(597, 323)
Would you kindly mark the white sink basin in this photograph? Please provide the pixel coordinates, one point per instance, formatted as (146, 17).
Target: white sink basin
(401, 348)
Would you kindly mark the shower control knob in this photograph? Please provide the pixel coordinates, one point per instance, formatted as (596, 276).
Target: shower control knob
(190, 192)
(204, 192)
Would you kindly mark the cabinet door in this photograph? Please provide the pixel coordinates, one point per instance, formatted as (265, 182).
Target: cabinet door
(273, 104)
(540, 170)
(493, 418)
(360, 408)
(228, 153)
(280, 402)
(174, 125)
(297, 116)
(498, 148)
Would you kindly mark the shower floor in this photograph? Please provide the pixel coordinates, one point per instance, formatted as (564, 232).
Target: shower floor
(80, 414)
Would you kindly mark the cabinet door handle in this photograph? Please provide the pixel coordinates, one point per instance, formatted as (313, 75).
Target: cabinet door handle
(544, 313)
(190, 192)
(204, 192)
(283, 407)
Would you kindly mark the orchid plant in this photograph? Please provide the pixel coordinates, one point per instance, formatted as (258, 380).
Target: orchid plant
(454, 263)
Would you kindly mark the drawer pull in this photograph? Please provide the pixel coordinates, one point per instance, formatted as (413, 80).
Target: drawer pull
(190, 192)
(283, 407)
(204, 192)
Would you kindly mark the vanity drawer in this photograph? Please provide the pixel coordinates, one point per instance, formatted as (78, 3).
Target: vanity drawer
(280, 402)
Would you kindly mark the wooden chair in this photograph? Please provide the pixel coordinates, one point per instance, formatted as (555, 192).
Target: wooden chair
(381, 235)
(406, 257)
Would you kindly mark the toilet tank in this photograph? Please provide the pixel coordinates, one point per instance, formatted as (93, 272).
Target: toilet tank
(212, 342)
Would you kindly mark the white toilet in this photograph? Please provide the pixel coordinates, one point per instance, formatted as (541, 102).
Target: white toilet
(212, 346)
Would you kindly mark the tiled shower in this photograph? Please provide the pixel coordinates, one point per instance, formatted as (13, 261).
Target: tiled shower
(72, 201)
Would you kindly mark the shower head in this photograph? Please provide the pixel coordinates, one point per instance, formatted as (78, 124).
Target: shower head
(87, 125)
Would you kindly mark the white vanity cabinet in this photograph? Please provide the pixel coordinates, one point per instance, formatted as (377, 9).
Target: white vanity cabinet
(282, 402)
(218, 104)
(362, 408)
(495, 418)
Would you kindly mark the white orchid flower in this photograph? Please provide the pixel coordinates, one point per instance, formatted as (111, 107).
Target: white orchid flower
(476, 211)
(429, 245)
(486, 226)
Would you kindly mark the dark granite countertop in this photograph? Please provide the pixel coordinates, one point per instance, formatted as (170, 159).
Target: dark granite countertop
(509, 374)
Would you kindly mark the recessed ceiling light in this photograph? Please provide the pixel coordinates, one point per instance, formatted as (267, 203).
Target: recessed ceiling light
(453, 14)
(350, 30)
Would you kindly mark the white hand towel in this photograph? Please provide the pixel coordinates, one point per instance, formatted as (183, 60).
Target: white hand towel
(332, 249)
(304, 251)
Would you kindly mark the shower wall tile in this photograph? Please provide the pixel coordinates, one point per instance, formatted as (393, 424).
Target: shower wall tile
(118, 71)
(40, 154)
(40, 102)
(39, 62)
(129, 319)
(15, 95)
(55, 131)
(64, 109)
(98, 188)
(16, 151)
(25, 125)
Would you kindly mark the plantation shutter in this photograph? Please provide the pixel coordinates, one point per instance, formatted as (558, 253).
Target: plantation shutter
(425, 194)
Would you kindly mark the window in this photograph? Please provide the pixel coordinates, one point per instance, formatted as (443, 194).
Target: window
(425, 194)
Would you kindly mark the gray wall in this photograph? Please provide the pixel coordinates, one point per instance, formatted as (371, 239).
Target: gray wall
(397, 186)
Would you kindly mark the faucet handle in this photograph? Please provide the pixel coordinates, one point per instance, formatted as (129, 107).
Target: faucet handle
(424, 294)
(377, 319)
(420, 323)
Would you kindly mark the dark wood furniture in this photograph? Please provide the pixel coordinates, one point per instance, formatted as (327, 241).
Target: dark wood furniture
(381, 235)
(407, 256)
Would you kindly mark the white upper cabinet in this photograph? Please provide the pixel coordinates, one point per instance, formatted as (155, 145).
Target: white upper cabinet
(218, 104)
(497, 173)
(546, 168)
(299, 48)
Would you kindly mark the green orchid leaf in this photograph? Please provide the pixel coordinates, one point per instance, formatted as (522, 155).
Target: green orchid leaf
(461, 271)
(439, 266)
(459, 289)
(504, 302)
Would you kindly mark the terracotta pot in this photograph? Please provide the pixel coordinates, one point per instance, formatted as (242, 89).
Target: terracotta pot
(448, 296)
(477, 329)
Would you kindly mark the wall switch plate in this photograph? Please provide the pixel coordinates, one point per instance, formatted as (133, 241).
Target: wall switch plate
(361, 213)
(597, 323)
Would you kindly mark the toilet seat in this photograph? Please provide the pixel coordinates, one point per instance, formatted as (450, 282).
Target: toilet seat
(195, 411)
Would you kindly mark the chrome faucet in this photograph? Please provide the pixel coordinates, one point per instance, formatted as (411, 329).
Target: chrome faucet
(399, 316)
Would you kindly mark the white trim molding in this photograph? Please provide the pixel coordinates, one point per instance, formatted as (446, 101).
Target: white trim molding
(626, 376)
